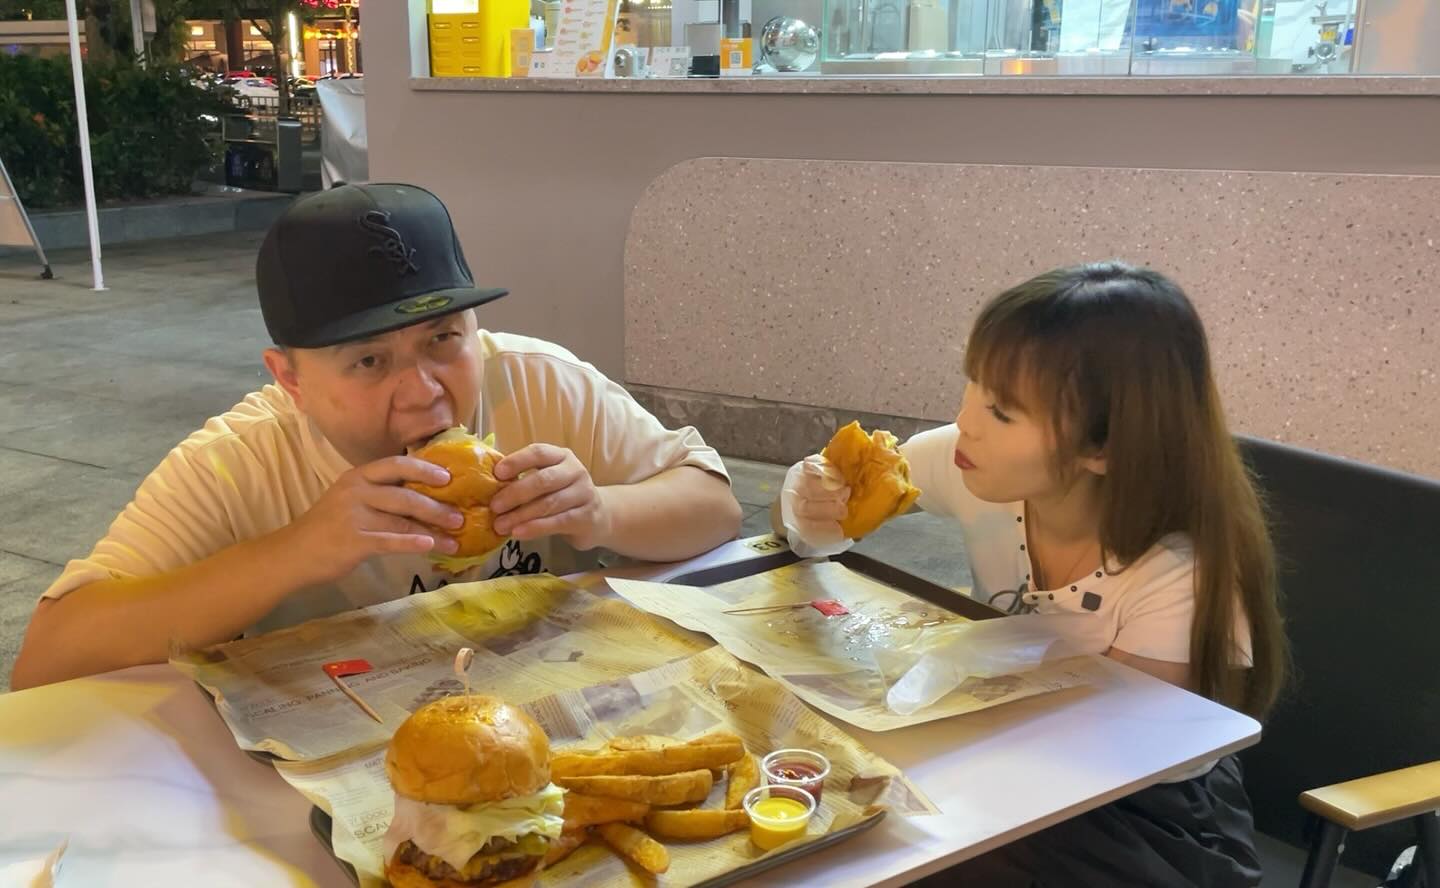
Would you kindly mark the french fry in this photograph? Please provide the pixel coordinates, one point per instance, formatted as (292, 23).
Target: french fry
(670, 789)
(744, 776)
(634, 844)
(649, 756)
(638, 741)
(695, 823)
(582, 810)
(560, 848)
(713, 740)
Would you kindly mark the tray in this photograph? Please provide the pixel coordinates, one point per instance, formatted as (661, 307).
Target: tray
(320, 825)
(779, 555)
(264, 758)
(894, 577)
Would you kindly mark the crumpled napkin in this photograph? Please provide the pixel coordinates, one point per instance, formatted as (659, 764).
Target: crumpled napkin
(37, 872)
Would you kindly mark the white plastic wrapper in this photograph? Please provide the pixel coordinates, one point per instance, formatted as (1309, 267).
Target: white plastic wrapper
(812, 501)
(344, 149)
(978, 650)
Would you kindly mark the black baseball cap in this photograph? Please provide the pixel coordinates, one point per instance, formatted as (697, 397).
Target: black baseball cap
(360, 260)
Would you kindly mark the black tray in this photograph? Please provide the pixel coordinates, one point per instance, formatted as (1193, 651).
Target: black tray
(781, 556)
(321, 824)
(264, 758)
(894, 577)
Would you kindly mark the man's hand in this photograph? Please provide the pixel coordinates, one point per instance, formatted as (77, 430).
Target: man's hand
(552, 494)
(367, 512)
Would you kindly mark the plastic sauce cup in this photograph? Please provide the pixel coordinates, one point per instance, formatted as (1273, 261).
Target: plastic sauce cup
(778, 814)
(796, 767)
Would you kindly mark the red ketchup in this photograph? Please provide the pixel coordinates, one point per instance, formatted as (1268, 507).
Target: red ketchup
(797, 767)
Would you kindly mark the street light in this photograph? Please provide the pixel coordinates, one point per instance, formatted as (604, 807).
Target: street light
(294, 29)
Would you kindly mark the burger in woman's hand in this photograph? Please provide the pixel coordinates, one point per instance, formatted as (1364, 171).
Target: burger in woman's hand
(878, 476)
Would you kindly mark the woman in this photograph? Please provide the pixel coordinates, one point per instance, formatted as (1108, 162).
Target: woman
(1091, 472)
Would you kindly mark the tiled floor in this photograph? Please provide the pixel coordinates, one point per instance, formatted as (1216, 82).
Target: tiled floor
(96, 387)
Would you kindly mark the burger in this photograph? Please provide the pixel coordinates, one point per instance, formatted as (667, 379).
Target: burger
(471, 464)
(474, 805)
(878, 476)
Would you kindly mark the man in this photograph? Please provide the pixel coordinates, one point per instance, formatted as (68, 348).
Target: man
(291, 505)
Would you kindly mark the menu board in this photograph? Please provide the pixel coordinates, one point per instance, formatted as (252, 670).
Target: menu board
(582, 41)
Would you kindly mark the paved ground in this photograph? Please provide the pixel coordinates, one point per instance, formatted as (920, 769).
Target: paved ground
(96, 387)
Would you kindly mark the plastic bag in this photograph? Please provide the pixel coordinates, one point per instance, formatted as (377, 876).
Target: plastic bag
(982, 649)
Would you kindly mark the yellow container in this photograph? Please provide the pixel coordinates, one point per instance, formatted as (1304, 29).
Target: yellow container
(522, 47)
(455, 45)
(499, 19)
(484, 39)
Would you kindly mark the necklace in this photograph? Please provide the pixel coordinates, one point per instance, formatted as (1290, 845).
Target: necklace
(1042, 581)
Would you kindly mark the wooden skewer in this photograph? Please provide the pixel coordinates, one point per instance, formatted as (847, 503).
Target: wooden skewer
(827, 606)
(769, 608)
(345, 689)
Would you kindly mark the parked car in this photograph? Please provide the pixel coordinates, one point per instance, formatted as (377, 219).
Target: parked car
(255, 88)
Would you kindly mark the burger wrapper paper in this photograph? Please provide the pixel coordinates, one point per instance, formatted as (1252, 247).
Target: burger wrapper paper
(532, 636)
(589, 667)
(698, 694)
(893, 661)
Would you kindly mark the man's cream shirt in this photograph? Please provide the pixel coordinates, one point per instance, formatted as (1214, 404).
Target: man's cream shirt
(258, 467)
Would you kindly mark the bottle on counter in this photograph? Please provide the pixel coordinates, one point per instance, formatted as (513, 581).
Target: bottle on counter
(887, 33)
(551, 13)
(929, 26)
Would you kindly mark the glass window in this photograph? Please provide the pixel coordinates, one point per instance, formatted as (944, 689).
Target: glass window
(1074, 38)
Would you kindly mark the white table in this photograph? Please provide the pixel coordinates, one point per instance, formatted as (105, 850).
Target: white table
(139, 772)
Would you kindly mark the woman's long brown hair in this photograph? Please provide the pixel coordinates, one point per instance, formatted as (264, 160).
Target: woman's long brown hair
(1118, 358)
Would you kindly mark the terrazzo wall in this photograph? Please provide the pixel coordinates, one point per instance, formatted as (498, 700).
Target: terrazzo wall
(851, 285)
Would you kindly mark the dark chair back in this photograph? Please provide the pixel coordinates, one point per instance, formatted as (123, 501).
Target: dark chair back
(1359, 550)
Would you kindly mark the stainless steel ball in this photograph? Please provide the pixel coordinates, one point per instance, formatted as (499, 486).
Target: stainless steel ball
(789, 44)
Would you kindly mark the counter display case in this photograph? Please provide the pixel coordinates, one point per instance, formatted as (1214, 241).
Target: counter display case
(998, 38)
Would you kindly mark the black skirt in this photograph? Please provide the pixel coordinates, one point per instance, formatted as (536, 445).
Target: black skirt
(1198, 832)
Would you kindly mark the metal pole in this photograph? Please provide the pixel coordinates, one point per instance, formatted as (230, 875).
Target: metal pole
(137, 31)
(1325, 849)
(14, 196)
(349, 41)
(1357, 46)
(1428, 852)
(83, 122)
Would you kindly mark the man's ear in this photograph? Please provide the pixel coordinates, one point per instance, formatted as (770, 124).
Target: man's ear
(281, 364)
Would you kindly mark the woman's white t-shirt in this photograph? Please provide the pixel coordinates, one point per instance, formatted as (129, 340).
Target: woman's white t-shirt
(1144, 609)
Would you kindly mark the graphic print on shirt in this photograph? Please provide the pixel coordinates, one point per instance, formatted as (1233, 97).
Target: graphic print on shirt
(514, 561)
(417, 585)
